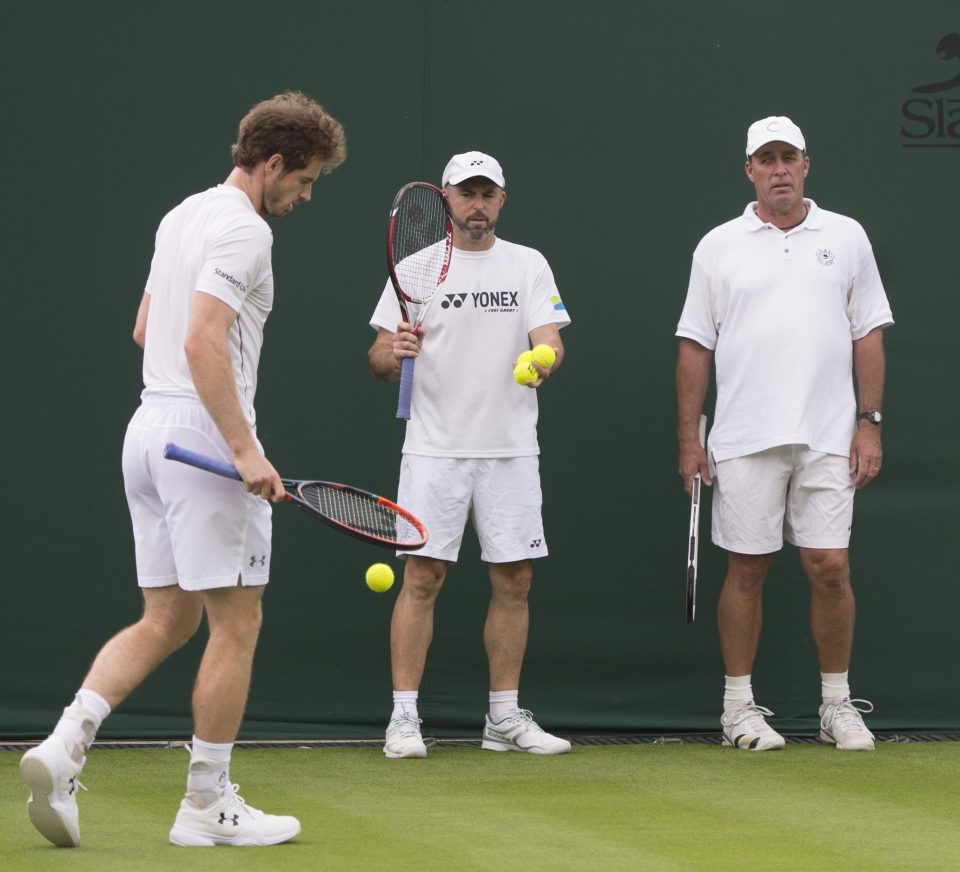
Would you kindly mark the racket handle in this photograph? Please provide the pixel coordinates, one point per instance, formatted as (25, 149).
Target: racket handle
(172, 451)
(406, 388)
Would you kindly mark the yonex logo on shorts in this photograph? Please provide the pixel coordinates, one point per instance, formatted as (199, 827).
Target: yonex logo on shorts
(536, 543)
(826, 257)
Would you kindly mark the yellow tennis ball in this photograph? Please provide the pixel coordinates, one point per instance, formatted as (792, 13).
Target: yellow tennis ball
(525, 357)
(544, 355)
(524, 373)
(379, 577)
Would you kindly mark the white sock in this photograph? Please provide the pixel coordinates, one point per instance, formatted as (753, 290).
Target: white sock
(503, 703)
(405, 704)
(210, 751)
(834, 685)
(208, 773)
(80, 721)
(737, 689)
(95, 704)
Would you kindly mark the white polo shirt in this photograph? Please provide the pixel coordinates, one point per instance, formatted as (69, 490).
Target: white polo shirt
(781, 310)
(214, 242)
(465, 401)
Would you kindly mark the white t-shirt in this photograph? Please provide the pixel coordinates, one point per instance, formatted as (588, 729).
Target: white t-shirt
(465, 400)
(781, 310)
(214, 242)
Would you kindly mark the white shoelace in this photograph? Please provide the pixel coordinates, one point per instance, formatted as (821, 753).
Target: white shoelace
(407, 726)
(523, 718)
(845, 715)
(751, 717)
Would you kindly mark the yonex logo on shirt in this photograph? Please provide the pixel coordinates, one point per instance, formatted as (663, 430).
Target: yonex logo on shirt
(235, 282)
(488, 301)
(501, 301)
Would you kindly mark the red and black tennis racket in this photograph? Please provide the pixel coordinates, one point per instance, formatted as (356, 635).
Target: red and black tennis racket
(419, 248)
(356, 512)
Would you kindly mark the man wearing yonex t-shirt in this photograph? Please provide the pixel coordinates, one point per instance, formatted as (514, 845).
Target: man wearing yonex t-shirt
(787, 301)
(202, 543)
(471, 449)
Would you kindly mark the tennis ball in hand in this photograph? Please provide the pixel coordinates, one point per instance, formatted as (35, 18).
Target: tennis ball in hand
(379, 577)
(524, 373)
(544, 355)
(525, 357)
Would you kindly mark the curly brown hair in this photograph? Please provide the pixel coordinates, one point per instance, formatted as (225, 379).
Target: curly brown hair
(293, 126)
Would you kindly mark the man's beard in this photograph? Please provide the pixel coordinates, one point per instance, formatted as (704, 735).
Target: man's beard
(476, 234)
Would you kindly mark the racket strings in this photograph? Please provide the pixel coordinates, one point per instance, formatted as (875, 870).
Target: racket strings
(420, 242)
(359, 511)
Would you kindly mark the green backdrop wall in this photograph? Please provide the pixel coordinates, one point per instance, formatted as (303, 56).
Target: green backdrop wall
(620, 126)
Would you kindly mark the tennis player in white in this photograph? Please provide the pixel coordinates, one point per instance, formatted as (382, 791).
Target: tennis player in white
(202, 543)
(471, 449)
(787, 301)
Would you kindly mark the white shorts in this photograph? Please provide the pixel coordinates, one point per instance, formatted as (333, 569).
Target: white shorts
(190, 527)
(502, 494)
(788, 492)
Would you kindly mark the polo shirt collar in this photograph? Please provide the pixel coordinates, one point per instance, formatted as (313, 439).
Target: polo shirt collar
(813, 221)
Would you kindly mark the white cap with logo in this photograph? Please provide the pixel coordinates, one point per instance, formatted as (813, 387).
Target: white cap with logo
(776, 128)
(471, 164)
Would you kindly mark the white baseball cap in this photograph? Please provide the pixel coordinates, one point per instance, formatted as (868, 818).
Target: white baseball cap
(776, 128)
(470, 164)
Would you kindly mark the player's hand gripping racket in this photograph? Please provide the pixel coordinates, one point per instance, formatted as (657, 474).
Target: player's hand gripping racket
(419, 248)
(693, 547)
(350, 510)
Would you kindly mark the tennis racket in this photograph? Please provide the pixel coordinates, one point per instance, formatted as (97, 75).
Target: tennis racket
(350, 510)
(693, 547)
(419, 248)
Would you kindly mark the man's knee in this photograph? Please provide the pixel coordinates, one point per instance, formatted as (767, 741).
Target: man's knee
(423, 577)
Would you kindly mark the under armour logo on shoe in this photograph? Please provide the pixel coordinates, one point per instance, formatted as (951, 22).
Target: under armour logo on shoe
(234, 818)
(258, 561)
(72, 789)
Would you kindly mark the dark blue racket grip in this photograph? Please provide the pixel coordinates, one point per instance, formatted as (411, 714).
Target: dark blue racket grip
(406, 388)
(172, 451)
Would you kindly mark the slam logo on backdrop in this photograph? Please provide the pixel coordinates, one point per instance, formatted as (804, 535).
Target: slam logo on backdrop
(931, 118)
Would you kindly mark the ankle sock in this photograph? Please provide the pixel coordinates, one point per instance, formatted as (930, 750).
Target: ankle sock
(737, 689)
(405, 703)
(503, 703)
(834, 685)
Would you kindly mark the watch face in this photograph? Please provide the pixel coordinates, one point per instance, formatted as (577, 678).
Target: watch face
(873, 416)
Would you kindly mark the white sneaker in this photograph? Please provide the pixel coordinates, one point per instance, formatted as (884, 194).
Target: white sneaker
(51, 774)
(230, 821)
(404, 739)
(744, 727)
(520, 732)
(842, 725)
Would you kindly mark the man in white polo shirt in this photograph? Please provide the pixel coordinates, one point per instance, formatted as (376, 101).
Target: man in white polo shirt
(787, 302)
(471, 449)
(202, 542)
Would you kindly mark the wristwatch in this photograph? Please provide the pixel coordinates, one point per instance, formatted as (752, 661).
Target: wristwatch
(874, 416)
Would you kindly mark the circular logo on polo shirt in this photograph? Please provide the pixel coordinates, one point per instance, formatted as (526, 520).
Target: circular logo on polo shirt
(825, 257)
